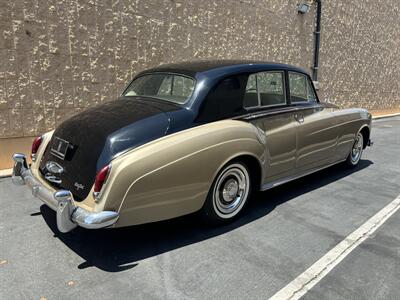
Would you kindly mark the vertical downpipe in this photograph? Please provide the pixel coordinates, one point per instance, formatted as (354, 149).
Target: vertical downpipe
(317, 38)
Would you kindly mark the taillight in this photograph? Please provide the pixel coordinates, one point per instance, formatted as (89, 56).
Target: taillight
(35, 146)
(101, 178)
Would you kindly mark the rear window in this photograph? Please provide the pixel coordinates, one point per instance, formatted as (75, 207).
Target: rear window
(169, 87)
(265, 89)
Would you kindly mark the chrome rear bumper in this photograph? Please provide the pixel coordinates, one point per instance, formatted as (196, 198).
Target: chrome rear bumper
(69, 215)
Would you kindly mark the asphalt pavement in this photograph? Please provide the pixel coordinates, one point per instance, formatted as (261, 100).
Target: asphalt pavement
(282, 232)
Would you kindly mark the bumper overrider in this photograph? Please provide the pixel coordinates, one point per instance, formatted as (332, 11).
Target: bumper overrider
(69, 215)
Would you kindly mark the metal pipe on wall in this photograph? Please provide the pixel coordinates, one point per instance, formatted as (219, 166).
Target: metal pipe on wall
(317, 40)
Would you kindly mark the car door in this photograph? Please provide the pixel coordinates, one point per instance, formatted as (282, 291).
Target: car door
(316, 125)
(265, 97)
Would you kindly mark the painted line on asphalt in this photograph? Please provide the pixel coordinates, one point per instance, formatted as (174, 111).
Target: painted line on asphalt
(309, 278)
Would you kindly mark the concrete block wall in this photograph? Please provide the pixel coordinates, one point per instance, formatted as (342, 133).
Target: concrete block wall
(60, 57)
(360, 53)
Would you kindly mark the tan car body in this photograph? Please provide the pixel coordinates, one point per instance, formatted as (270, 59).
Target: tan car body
(171, 176)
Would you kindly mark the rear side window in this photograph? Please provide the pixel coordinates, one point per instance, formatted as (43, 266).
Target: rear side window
(251, 95)
(265, 89)
(301, 89)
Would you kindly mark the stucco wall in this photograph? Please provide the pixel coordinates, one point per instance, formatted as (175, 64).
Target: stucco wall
(58, 57)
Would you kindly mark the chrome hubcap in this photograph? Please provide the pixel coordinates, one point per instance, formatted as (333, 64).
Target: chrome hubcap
(231, 190)
(357, 149)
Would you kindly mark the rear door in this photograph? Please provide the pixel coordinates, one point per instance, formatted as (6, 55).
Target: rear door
(316, 125)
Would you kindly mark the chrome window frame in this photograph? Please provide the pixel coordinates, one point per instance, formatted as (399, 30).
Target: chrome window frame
(282, 72)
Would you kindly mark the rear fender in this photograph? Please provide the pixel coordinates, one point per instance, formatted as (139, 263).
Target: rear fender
(171, 176)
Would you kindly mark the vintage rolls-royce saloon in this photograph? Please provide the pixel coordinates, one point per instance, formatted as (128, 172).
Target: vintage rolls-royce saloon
(195, 136)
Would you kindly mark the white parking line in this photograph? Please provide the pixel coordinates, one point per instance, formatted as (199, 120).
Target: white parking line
(305, 281)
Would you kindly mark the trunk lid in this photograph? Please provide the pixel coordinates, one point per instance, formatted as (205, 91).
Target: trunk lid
(88, 141)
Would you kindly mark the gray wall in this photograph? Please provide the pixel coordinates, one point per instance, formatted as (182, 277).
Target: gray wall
(57, 58)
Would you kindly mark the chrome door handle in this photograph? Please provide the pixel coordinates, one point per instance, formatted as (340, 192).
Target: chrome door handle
(299, 118)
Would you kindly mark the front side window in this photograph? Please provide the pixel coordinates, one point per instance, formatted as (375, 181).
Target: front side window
(169, 87)
(265, 89)
(301, 89)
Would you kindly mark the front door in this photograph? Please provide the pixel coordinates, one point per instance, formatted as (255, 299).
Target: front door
(316, 125)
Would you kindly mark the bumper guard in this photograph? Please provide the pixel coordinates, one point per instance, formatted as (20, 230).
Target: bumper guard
(69, 215)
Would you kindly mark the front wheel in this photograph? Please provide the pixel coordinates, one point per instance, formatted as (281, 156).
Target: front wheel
(228, 194)
(355, 154)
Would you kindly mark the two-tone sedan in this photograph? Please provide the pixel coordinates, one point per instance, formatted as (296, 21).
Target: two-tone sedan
(195, 136)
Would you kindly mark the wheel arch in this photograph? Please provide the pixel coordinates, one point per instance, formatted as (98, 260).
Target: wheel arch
(366, 132)
(251, 162)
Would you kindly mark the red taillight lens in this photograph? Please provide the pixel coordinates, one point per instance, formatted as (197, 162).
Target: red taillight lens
(101, 178)
(35, 145)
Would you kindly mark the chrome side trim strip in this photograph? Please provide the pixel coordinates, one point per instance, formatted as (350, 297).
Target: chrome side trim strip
(270, 185)
(275, 111)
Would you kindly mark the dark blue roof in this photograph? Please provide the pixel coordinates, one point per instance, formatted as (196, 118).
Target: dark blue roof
(209, 72)
(192, 68)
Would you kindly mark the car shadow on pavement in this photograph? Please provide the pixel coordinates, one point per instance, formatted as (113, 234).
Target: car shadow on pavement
(115, 250)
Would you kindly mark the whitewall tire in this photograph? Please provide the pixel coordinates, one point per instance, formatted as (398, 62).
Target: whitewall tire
(228, 194)
(356, 151)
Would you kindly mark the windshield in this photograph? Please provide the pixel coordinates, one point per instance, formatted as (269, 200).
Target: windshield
(170, 87)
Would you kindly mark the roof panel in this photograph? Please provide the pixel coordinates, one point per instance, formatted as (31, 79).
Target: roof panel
(193, 67)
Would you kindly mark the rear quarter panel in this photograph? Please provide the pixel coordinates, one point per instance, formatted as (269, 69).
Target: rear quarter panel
(171, 176)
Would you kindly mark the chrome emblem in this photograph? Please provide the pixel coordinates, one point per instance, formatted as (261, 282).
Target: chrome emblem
(79, 186)
(54, 168)
(52, 178)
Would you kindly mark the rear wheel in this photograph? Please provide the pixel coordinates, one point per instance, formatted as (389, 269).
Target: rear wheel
(228, 194)
(356, 152)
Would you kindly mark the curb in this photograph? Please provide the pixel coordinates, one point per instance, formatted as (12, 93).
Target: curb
(385, 116)
(5, 173)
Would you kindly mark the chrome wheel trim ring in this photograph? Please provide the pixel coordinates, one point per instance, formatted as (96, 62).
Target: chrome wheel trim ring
(231, 191)
(356, 151)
